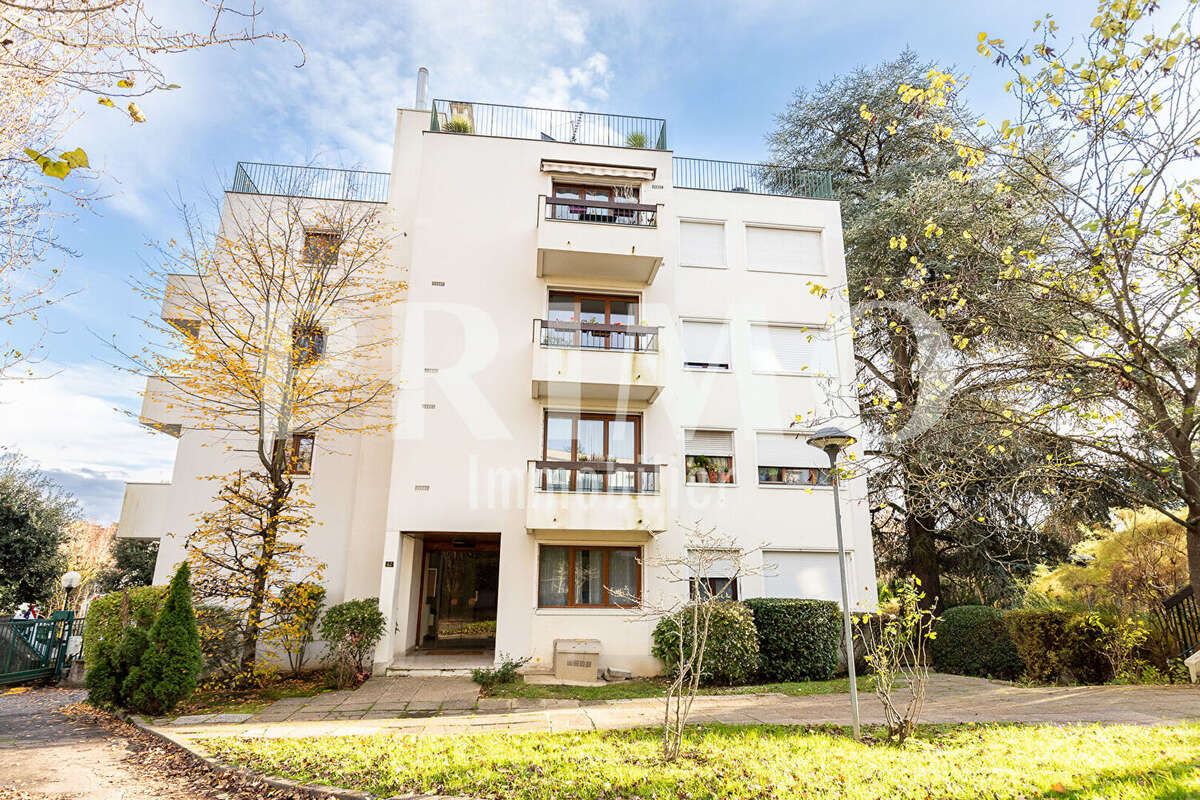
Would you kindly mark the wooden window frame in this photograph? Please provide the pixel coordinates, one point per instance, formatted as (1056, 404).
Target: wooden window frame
(293, 466)
(331, 252)
(577, 312)
(607, 550)
(575, 417)
(310, 352)
(812, 472)
(708, 579)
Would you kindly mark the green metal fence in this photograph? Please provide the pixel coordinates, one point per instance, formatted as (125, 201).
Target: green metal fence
(34, 649)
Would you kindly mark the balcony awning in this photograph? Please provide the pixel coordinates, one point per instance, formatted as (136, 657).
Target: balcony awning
(597, 170)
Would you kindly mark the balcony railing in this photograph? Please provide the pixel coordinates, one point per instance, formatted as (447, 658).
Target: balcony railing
(608, 477)
(739, 176)
(318, 183)
(596, 336)
(607, 212)
(548, 124)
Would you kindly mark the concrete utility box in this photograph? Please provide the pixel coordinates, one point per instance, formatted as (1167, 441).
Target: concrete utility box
(1193, 665)
(577, 659)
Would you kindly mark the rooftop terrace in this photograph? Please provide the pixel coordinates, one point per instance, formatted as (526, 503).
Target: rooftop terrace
(539, 124)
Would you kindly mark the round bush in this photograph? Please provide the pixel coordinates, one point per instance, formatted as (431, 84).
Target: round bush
(1057, 646)
(973, 640)
(798, 639)
(730, 651)
(104, 629)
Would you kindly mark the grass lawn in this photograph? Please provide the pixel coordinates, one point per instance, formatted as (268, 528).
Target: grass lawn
(760, 762)
(657, 688)
(251, 701)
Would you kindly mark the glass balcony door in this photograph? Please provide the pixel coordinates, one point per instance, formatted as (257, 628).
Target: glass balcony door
(604, 310)
(600, 439)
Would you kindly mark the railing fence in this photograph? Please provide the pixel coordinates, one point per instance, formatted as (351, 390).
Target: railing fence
(318, 183)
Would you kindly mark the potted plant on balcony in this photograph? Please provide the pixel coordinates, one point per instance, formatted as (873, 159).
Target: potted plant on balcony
(457, 125)
(701, 470)
(636, 139)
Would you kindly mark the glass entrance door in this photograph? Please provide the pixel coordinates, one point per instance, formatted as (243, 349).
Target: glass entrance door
(461, 593)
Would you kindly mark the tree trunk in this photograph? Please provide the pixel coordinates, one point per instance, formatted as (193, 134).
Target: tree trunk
(923, 558)
(258, 593)
(1193, 552)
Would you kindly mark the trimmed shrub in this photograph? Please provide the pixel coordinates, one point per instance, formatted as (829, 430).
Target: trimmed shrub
(798, 640)
(351, 630)
(171, 663)
(730, 652)
(1057, 646)
(973, 640)
(505, 672)
(112, 665)
(104, 618)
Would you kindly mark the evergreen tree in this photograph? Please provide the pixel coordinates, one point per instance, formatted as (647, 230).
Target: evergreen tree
(172, 661)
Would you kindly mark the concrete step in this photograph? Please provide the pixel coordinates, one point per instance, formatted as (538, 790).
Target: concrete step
(427, 672)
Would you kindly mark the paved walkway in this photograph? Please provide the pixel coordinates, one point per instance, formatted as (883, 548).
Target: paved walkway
(376, 708)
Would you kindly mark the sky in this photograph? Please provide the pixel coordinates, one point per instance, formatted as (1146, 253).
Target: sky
(717, 72)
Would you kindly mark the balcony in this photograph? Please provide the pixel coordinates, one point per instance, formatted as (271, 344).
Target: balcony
(143, 511)
(595, 496)
(317, 183)
(575, 362)
(548, 125)
(160, 408)
(605, 240)
(740, 176)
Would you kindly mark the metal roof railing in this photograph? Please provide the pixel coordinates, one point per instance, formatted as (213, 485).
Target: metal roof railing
(740, 176)
(319, 183)
(548, 124)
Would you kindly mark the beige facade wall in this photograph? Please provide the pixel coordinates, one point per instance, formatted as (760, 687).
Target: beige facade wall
(473, 389)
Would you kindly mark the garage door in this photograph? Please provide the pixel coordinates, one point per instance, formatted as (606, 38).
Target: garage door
(803, 574)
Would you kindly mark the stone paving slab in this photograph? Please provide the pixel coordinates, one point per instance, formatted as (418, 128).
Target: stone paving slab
(949, 699)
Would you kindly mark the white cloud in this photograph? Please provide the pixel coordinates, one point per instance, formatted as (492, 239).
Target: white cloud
(74, 424)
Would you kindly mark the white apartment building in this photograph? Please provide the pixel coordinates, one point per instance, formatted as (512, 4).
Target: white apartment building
(602, 345)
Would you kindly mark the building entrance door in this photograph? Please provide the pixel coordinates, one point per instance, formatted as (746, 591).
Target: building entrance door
(459, 593)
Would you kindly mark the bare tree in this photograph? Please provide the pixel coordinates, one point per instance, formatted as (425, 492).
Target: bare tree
(276, 341)
(54, 54)
(689, 606)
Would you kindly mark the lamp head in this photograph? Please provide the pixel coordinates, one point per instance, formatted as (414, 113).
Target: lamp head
(831, 440)
(70, 580)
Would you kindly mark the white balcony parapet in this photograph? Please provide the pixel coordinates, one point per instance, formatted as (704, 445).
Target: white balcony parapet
(595, 496)
(160, 407)
(143, 511)
(576, 362)
(612, 241)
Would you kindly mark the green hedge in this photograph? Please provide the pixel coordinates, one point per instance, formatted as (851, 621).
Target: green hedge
(104, 618)
(730, 652)
(974, 640)
(1057, 646)
(798, 640)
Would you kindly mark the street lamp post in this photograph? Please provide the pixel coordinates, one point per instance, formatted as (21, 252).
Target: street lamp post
(832, 440)
(69, 581)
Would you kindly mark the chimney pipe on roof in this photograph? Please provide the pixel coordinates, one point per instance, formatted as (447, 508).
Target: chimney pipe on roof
(422, 88)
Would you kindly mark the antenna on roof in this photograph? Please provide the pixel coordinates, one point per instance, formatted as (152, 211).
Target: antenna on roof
(422, 88)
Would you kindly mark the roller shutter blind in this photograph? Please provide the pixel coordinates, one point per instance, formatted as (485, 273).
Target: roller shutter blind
(702, 244)
(788, 450)
(708, 443)
(784, 250)
(792, 349)
(810, 575)
(706, 344)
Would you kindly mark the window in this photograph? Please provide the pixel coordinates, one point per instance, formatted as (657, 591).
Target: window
(785, 459)
(792, 350)
(603, 439)
(709, 456)
(599, 204)
(598, 310)
(784, 250)
(308, 343)
(589, 576)
(701, 244)
(299, 453)
(321, 247)
(806, 574)
(724, 588)
(705, 345)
